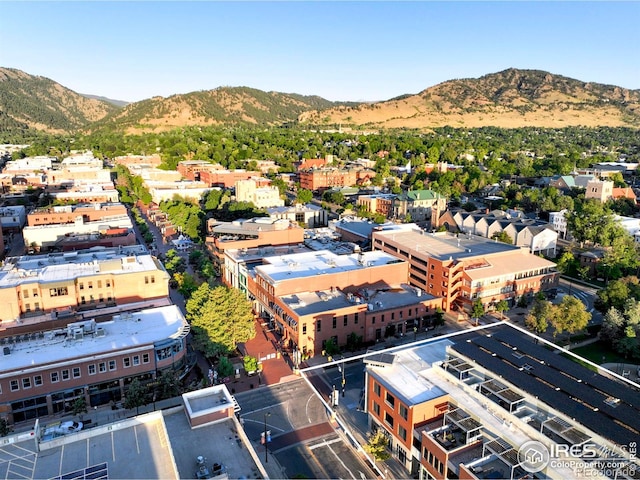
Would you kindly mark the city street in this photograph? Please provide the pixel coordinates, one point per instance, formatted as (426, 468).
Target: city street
(303, 440)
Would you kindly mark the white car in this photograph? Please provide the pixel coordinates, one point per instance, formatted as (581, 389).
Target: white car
(69, 427)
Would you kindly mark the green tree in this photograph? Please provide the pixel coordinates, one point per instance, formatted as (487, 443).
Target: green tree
(616, 293)
(186, 284)
(134, 397)
(501, 307)
(538, 318)
(79, 405)
(250, 363)
(5, 428)
(225, 367)
(304, 196)
(168, 384)
(570, 316)
(330, 347)
(568, 263)
(439, 317)
(477, 310)
(220, 320)
(377, 446)
(503, 237)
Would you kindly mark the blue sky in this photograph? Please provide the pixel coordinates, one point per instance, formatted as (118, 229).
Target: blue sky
(338, 50)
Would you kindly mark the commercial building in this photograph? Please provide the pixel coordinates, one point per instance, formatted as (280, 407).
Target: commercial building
(45, 371)
(601, 190)
(255, 232)
(13, 218)
(419, 205)
(62, 282)
(70, 213)
(151, 160)
(314, 297)
(166, 190)
(213, 175)
(261, 197)
(93, 193)
(324, 178)
(47, 237)
(463, 406)
(536, 235)
(308, 215)
(465, 268)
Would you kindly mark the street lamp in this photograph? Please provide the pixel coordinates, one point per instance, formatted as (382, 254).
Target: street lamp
(342, 371)
(266, 457)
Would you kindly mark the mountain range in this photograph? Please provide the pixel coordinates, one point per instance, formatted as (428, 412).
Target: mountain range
(510, 98)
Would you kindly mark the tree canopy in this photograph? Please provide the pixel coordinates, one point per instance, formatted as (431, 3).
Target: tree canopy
(220, 318)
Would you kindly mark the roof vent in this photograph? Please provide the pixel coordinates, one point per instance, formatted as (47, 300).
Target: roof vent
(6, 350)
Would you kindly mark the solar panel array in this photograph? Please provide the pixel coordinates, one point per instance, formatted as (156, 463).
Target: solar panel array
(556, 381)
(99, 471)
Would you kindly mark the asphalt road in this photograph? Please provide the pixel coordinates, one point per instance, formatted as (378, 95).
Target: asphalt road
(304, 442)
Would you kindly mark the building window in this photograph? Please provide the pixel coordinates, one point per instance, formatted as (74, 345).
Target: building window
(390, 400)
(108, 283)
(345, 321)
(90, 285)
(145, 358)
(319, 325)
(126, 361)
(402, 432)
(355, 319)
(404, 413)
(76, 372)
(37, 380)
(393, 316)
(112, 365)
(99, 283)
(335, 322)
(25, 294)
(304, 328)
(14, 385)
(153, 279)
(376, 389)
(91, 369)
(65, 375)
(146, 280)
(136, 360)
(102, 367)
(26, 382)
(58, 292)
(81, 286)
(382, 318)
(373, 320)
(376, 408)
(388, 419)
(54, 377)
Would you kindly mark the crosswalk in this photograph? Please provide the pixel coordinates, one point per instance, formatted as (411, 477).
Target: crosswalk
(585, 297)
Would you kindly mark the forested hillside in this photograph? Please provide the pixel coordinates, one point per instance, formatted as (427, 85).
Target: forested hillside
(42, 104)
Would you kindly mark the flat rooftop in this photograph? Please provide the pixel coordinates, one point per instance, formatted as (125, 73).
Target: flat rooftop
(444, 245)
(252, 226)
(250, 255)
(58, 267)
(128, 330)
(310, 264)
(134, 448)
(406, 372)
(605, 406)
(377, 299)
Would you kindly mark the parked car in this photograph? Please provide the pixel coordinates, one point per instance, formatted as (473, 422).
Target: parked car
(69, 427)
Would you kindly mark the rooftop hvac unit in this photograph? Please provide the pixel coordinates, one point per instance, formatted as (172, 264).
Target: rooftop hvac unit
(78, 334)
(100, 332)
(6, 350)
